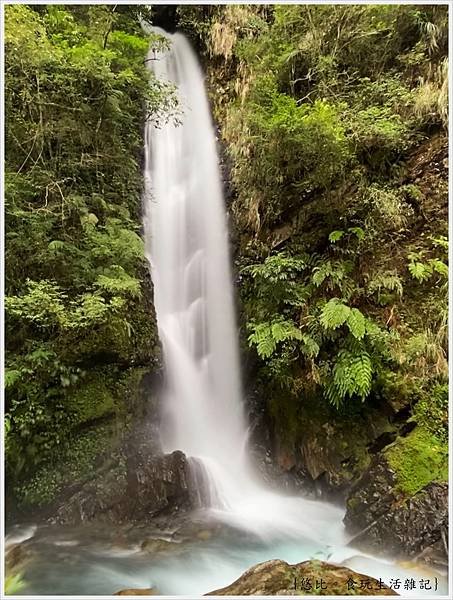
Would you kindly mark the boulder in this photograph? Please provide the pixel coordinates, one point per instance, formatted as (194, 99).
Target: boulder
(312, 577)
(149, 485)
(382, 516)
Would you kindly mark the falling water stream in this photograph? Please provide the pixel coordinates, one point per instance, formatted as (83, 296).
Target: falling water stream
(187, 245)
(186, 239)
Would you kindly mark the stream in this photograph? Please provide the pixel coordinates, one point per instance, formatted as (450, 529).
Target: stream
(199, 557)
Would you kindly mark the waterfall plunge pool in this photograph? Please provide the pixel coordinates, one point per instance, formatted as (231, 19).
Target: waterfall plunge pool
(199, 556)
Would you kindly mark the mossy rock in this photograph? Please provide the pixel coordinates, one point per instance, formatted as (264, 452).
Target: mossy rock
(103, 406)
(401, 501)
(309, 578)
(75, 463)
(325, 442)
(417, 460)
(93, 399)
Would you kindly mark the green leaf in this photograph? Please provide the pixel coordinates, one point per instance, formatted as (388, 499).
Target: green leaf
(439, 266)
(309, 347)
(14, 584)
(319, 275)
(356, 323)
(358, 231)
(336, 235)
(11, 377)
(352, 374)
(262, 339)
(266, 336)
(334, 314)
(419, 271)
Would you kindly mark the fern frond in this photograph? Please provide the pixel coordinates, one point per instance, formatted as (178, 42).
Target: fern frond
(334, 314)
(356, 323)
(267, 335)
(284, 330)
(309, 347)
(336, 235)
(419, 271)
(263, 340)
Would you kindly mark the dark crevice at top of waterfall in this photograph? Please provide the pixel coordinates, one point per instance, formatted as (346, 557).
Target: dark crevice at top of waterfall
(166, 16)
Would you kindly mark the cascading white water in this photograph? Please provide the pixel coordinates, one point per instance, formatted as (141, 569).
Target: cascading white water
(187, 246)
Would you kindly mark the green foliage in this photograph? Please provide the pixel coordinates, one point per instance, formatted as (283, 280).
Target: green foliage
(422, 271)
(324, 123)
(385, 286)
(334, 314)
(76, 461)
(360, 346)
(431, 411)
(77, 92)
(323, 90)
(266, 336)
(379, 134)
(295, 147)
(14, 584)
(352, 376)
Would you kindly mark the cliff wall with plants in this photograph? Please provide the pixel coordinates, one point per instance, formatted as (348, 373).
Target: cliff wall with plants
(80, 330)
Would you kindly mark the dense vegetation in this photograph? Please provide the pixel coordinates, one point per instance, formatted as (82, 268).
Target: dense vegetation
(332, 118)
(327, 113)
(78, 299)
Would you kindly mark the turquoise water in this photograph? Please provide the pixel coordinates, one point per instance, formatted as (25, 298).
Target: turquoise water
(103, 560)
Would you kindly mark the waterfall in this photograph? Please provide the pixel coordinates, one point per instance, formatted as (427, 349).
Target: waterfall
(187, 246)
(186, 241)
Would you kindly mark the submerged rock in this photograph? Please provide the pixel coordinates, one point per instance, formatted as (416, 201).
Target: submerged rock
(161, 546)
(15, 555)
(312, 577)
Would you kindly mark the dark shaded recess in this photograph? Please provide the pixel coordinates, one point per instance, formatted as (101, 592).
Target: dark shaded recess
(166, 17)
(403, 414)
(381, 442)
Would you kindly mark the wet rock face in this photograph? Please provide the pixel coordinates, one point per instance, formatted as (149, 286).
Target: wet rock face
(149, 485)
(156, 484)
(381, 516)
(278, 578)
